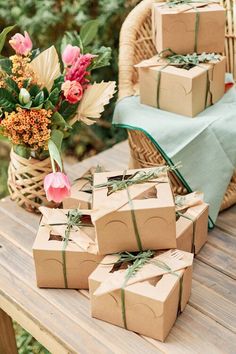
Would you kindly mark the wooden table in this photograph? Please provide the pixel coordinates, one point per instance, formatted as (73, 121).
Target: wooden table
(60, 319)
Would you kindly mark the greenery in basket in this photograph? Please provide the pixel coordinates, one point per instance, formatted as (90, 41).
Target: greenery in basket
(42, 96)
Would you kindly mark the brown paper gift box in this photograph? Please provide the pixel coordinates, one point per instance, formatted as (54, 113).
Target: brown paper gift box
(181, 91)
(192, 224)
(81, 191)
(81, 253)
(175, 28)
(152, 296)
(113, 220)
(80, 196)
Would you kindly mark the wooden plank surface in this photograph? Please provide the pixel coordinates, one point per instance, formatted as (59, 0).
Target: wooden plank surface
(207, 324)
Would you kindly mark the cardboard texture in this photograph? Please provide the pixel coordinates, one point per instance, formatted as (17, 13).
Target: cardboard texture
(176, 27)
(181, 91)
(192, 225)
(80, 254)
(151, 294)
(154, 210)
(81, 191)
(80, 197)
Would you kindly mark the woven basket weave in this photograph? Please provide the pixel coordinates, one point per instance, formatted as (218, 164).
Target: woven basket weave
(25, 181)
(135, 45)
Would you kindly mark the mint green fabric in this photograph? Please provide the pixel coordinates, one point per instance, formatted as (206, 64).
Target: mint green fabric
(205, 145)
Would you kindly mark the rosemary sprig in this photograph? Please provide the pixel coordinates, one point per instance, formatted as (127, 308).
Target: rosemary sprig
(190, 60)
(172, 3)
(137, 178)
(131, 257)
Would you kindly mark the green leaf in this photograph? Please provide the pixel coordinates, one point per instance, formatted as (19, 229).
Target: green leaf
(3, 35)
(49, 105)
(58, 120)
(34, 90)
(35, 53)
(26, 106)
(72, 38)
(54, 96)
(103, 58)
(57, 137)
(58, 82)
(22, 151)
(54, 153)
(26, 83)
(89, 31)
(6, 65)
(67, 109)
(7, 101)
(12, 85)
(39, 99)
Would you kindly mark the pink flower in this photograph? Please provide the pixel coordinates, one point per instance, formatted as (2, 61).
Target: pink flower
(78, 71)
(72, 90)
(21, 44)
(57, 186)
(70, 54)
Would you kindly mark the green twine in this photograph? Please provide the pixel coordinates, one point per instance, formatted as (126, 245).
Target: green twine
(134, 220)
(73, 219)
(140, 260)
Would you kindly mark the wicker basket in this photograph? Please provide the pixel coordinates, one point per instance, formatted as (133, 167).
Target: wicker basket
(135, 45)
(25, 181)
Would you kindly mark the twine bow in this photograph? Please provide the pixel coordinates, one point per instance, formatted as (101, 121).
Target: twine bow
(139, 260)
(186, 62)
(137, 178)
(73, 220)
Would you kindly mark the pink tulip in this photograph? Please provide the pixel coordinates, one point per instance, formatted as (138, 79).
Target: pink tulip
(21, 44)
(57, 186)
(70, 54)
(72, 91)
(78, 71)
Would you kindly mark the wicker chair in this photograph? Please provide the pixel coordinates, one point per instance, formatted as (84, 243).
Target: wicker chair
(136, 45)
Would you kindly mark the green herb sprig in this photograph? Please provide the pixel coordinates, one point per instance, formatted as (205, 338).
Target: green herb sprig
(136, 178)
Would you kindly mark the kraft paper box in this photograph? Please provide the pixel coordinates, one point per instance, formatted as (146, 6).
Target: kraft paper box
(181, 91)
(81, 191)
(185, 29)
(192, 224)
(152, 297)
(81, 256)
(80, 197)
(151, 205)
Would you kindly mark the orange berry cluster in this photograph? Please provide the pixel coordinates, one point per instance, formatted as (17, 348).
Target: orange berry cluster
(28, 127)
(21, 70)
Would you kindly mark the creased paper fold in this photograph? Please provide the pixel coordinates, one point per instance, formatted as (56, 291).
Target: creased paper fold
(174, 259)
(58, 216)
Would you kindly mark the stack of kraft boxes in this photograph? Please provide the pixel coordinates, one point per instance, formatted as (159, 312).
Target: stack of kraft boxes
(132, 247)
(188, 73)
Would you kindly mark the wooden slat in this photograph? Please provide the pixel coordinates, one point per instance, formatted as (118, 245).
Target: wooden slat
(223, 241)
(218, 260)
(48, 325)
(211, 278)
(72, 304)
(7, 335)
(195, 333)
(213, 305)
(227, 221)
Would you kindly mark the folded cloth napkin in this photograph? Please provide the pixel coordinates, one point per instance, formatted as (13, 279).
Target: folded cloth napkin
(205, 145)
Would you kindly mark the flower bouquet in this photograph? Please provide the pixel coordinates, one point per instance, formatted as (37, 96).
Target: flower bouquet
(42, 96)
